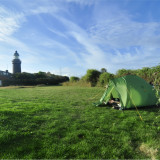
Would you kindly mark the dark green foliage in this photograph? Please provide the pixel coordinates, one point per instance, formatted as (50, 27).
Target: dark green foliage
(23, 75)
(92, 76)
(124, 72)
(151, 75)
(103, 70)
(74, 79)
(40, 75)
(104, 78)
(156, 75)
(35, 79)
(146, 73)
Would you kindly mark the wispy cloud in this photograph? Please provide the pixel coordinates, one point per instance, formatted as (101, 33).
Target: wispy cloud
(91, 50)
(38, 7)
(120, 33)
(44, 9)
(63, 50)
(57, 32)
(10, 22)
(83, 2)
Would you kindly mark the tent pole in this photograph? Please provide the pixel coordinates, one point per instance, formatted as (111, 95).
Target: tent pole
(135, 105)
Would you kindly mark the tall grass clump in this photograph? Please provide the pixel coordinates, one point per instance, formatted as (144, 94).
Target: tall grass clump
(80, 83)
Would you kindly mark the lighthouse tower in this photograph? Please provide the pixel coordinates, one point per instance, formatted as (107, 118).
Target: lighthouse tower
(16, 63)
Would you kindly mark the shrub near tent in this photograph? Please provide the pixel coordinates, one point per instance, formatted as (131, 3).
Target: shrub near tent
(131, 90)
(92, 76)
(104, 78)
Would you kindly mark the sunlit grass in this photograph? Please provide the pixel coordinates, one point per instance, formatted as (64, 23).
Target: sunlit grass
(61, 123)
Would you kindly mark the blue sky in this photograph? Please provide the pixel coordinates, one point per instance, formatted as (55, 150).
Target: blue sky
(70, 36)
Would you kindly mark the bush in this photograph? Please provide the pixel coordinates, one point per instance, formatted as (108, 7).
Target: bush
(74, 79)
(35, 79)
(104, 78)
(92, 76)
(124, 72)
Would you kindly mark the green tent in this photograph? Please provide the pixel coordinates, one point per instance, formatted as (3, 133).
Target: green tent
(132, 91)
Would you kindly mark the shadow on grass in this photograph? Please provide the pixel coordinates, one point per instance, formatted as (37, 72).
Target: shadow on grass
(19, 136)
(20, 146)
(147, 108)
(154, 108)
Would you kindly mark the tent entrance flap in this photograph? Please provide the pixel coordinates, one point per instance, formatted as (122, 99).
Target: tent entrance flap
(107, 95)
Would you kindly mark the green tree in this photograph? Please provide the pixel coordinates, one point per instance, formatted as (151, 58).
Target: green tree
(104, 78)
(74, 79)
(103, 70)
(41, 75)
(124, 72)
(145, 73)
(92, 76)
(35, 79)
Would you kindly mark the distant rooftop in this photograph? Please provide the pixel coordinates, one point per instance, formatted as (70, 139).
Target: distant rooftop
(4, 73)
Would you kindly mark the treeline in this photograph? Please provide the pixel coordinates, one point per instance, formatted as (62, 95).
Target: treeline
(102, 77)
(35, 79)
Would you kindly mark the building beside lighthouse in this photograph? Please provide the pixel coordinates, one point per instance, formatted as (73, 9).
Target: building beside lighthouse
(16, 62)
(4, 75)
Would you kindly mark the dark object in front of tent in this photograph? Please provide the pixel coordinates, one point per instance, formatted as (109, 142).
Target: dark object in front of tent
(115, 103)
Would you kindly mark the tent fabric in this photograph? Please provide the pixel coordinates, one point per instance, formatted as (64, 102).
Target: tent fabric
(131, 90)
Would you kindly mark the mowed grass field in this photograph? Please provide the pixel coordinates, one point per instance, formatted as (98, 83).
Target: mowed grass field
(62, 123)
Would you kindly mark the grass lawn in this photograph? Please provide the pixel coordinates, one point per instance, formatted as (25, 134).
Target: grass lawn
(61, 123)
